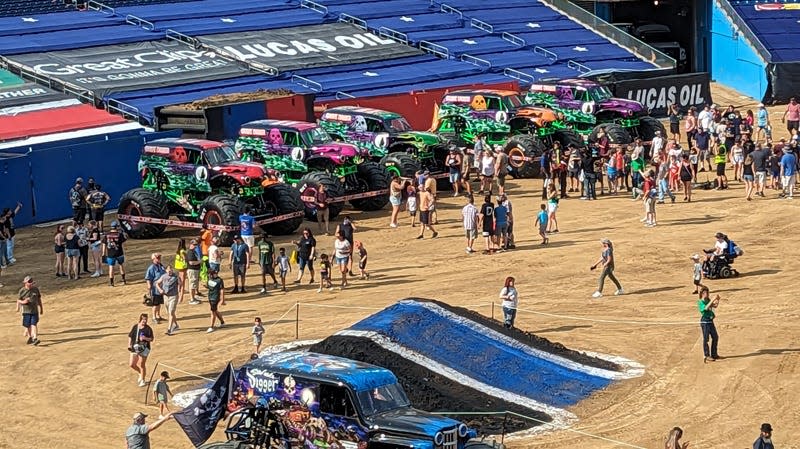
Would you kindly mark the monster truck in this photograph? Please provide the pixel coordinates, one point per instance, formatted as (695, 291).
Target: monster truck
(389, 139)
(307, 156)
(623, 119)
(203, 182)
(525, 131)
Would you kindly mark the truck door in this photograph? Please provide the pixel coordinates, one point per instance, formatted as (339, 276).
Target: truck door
(337, 410)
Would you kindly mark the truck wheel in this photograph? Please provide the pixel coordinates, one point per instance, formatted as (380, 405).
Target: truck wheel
(648, 127)
(225, 445)
(523, 156)
(143, 203)
(567, 137)
(282, 199)
(371, 177)
(617, 135)
(307, 187)
(222, 210)
(400, 164)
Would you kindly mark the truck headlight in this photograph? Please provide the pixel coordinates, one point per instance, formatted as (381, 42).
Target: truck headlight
(438, 439)
(462, 430)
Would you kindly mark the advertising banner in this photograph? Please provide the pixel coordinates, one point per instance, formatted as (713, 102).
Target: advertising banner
(308, 46)
(27, 93)
(119, 68)
(657, 93)
(8, 79)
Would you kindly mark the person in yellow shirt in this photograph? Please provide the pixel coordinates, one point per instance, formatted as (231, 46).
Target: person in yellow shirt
(180, 267)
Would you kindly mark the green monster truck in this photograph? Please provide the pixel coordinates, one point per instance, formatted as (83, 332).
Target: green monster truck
(388, 138)
(202, 181)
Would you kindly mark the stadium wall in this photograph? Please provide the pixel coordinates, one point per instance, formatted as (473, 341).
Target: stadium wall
(733, 61)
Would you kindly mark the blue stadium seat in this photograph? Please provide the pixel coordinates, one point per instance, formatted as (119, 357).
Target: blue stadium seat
(73, 20)
(205, 8)
(69, 39)
(238, 23)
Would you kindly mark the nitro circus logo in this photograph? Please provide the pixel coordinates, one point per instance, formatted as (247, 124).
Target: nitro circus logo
(660, 98)
(261, 380)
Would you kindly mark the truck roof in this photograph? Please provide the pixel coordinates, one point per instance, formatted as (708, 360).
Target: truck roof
(172, 142)
(358, 110)
(357, 375)
(269, 124)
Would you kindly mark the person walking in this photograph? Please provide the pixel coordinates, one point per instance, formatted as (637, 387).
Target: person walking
(697, 274)
(675, 122)
(266, 259)
(239, 262)
(395, 198)
(348, 230)
(323, 211)
(60, 249)
(96, 248)
(30, 301)
(764, 440)
(500, 170)
(453, 162)
(760, 165)
(140, 339)
(9, 215)
(762, 122)
(284, 266)
(168, 286)
(216, 298)
(83, 247)
(77, 199)
(542, 219)
(510, 298)
(193, 265)
(469, 215)
(153, 274)
(343, 252)
(606, 260)
(552, 207)
(114, 252)
(788, 172)
(425, 221)
(72, 246)
(359, 248)
(706, 306)
(161, 393)
(97, 200)
(258, 336)
(138, 434)
(792, 115)
(686, 174)
(748, 176)
(306, 254)
(674, 439)
(4, 237)
(663, 181)
(215, 255)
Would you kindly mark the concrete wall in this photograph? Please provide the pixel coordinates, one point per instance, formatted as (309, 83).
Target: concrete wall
(733, 61)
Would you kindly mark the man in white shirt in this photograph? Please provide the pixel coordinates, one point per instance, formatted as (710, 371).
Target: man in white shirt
(657, 145)
(470, 217)
(705, 118)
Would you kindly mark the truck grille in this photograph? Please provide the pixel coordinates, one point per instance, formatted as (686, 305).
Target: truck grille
(450, 439)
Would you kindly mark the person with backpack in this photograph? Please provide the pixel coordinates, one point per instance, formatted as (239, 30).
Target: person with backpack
(77, 199)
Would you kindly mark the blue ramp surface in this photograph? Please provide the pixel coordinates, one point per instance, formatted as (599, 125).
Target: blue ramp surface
(481, 353)
(778, 30)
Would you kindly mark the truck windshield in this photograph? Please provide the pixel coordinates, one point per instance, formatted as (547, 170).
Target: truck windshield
(220, 155)
(512, 102)
(399, 124)
(382, 399)
(316, 136)
(600, 93)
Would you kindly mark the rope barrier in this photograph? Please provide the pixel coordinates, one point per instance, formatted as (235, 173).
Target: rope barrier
(185, 372)
(332, 306)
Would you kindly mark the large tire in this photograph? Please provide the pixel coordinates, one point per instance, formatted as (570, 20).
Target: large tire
(143, 203)
(617, 135)
(225, 445)
(567, 137)
(283, 199)
(371, 177)
(222, 210)
(524, 152)
(307, 187)
(400, 164)
(648, 127)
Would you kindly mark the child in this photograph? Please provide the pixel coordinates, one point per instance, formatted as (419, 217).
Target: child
(650, 207)
(411, 204)
(282, 262)
(160, 392)
(697, 274)
(362, 260)
(324, 273)
(258, 336)
(541, 220)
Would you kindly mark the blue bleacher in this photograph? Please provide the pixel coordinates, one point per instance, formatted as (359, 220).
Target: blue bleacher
(247, 22)
(205, 8)
(27, 8)
(477, 45)
(377, 10)
(70, 39)
(409, 23)
(778, 30)
(73, 20)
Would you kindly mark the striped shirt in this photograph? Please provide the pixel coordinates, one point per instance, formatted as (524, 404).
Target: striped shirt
(470, 214)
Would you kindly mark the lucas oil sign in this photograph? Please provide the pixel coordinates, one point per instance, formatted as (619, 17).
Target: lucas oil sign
(656, 94)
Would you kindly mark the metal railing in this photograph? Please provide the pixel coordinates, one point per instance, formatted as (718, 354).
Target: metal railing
(434, 49)
(353, 20)
(394, 35)
(517, 75)
(612, 33)
(513, 38)
(139, 22)
(481, 25)
(741, 28)
(307, 83)
(476, 61)
(551, 55)
(447, 9)
(314, 6)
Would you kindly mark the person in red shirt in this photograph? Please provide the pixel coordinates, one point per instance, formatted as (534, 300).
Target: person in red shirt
(792, 115)
(648, 185)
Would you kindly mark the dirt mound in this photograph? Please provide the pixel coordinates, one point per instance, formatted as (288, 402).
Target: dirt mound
(238, 97)
(527, 338)
(431, 391)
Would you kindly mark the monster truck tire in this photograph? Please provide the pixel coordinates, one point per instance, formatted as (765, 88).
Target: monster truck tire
(225, 445)
(400, 164)
(617, 135)
(567, 137)
(144, 203)
(374, 177)
(648, 127)
(307, 187)
(222, 210)
(523, 147)
(285, 200)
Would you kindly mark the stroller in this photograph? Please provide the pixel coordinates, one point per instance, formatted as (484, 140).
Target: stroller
(719, 266)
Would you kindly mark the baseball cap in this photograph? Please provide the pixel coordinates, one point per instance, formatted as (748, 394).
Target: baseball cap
(139, 415)
(27, 279)
(695, 257)
(114, 224)
(761, 105)
(165, 374)
(193, 242)
(238, 237)
(79, 179)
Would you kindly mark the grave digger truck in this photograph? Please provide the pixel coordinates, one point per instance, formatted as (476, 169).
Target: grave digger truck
(502, 116)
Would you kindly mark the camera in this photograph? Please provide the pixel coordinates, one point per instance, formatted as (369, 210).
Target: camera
(138, 348)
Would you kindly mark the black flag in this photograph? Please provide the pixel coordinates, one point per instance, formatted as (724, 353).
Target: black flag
(200, 419)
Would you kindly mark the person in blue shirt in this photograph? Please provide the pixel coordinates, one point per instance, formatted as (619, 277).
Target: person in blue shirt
(501, 224)
(246, 225)
(788, 171)
(762, 121)
(154, 273)
(239, 262)
(542, 219)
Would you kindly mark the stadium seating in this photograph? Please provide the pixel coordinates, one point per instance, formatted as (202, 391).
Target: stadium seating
(778, 30)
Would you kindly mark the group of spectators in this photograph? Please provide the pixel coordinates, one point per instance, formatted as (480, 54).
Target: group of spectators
(764, 440)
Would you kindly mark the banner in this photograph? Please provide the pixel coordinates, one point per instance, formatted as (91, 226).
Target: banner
(8, 79)
(119, 68)
(27, 93)
(308, 46)
(657, 93)
(199, 419)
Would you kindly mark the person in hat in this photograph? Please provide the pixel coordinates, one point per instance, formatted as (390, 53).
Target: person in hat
(697, 273)
(138, 434)
(788, 171)
(161, 392)
(30, 300)
(764, 441)
(607, 261)
(77, 199)
(216, 297)
(657, 143)
(114, 252)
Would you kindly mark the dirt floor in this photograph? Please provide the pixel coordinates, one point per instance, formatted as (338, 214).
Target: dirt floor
(75, 389)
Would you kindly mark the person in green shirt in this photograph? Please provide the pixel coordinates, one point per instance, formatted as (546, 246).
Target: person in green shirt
(706, 306)
(637, 168)
(721, 159)
(266, 258)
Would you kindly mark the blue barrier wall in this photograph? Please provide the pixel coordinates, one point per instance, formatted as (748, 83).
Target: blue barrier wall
(44, 173)
(733, 61)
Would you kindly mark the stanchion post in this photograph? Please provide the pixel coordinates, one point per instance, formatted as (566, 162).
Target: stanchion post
(492, 310)
(147, 390)
(297, 321)
(505, 418)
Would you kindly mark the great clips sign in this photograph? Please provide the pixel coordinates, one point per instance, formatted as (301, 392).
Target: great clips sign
(658, 93)
(309, 46)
